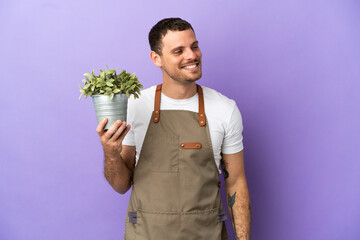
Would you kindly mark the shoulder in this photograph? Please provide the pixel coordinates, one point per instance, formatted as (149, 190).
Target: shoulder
(218, 103)
(146, 96)
(142, 106)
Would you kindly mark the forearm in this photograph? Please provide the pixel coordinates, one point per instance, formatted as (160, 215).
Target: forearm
(239, 209)
(117, 173)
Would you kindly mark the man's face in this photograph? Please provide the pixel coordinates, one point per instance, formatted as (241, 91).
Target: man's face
(181, 57)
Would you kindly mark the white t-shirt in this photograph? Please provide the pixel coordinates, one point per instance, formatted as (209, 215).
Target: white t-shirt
(222, 114)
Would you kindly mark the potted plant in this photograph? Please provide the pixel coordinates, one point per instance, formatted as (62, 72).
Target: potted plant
(110, 92)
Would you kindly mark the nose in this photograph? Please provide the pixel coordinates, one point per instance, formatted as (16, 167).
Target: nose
(190, 54)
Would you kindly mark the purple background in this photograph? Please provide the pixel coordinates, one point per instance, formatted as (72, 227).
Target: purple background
(293, 68)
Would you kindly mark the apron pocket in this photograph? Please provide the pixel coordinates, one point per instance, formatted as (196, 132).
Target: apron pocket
(165, 154)
(201, 225)
(158, 226)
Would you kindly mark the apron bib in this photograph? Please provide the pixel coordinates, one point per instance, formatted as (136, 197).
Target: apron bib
(175, 193)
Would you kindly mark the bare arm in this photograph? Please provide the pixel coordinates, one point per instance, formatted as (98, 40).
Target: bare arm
(119, 160)
(237, 194)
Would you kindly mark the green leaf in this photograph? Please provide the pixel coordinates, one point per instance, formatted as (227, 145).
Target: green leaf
(109, 84)
(92, 87)
(116, 90)
(86, 86)
(111, 95)
(110, 72)
(130, 82)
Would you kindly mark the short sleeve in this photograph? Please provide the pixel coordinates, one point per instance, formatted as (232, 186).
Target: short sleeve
(129, 139)
(233, 139)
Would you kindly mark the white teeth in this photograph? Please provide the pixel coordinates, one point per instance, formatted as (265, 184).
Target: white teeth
(190, 67)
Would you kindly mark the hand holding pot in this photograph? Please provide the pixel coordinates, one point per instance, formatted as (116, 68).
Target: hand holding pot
(112, 138)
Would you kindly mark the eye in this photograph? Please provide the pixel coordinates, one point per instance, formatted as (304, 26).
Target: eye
(195, 47)
(177, 52)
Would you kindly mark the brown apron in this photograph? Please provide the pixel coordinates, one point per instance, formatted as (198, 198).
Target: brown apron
(175, 194)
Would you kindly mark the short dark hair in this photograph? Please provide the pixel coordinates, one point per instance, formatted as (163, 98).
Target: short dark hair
(160, 29)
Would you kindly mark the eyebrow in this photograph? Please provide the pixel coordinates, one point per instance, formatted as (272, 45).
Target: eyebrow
(196, 42)
(182, 47)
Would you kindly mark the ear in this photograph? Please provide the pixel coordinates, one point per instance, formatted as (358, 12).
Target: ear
(156, 58)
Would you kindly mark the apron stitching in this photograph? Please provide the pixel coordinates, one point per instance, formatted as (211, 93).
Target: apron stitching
(181, 213)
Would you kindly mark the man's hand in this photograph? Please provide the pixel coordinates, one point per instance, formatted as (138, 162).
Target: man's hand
(111, 139)
(115, 170)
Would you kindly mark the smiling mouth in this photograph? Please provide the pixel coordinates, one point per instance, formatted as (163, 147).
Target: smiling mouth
(191, 67)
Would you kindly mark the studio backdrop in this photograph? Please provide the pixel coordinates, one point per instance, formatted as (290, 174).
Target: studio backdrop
(293, 68)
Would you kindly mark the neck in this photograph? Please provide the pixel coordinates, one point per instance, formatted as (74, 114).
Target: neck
(177, 90)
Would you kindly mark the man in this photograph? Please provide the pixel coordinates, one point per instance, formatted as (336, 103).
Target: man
(170, 157)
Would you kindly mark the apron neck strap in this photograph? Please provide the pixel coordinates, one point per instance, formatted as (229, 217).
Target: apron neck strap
(156, 115)
(202, 120)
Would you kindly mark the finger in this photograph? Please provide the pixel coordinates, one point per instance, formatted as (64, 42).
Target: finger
(113, 129)
(119, 131)
(100, 126)
(123, 134)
